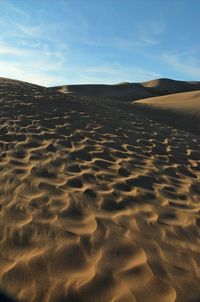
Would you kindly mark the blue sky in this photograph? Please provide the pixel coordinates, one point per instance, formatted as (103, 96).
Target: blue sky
(51, 42)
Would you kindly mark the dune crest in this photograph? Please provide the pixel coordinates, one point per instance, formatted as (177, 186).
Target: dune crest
(129, 91)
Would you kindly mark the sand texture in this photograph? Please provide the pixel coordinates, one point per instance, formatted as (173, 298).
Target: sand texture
(98, 203)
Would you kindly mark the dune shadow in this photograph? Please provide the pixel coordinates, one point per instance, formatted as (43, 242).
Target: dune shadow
(5, 298)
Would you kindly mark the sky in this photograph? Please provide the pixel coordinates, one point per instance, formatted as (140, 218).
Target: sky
(54, 42)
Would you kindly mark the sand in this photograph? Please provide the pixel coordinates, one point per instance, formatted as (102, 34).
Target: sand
(168, 86)
(129, 91)
(122, 91)
(98, 203)
(181, 110)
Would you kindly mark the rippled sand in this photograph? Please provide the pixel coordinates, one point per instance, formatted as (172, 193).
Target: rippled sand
(97, 203)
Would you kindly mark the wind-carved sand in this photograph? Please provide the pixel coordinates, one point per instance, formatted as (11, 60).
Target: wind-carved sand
(97, 203)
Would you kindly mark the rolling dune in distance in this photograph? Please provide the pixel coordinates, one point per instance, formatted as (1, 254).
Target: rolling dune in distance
(169, 86)
(129, 91)
(98, 203)
(122, 91)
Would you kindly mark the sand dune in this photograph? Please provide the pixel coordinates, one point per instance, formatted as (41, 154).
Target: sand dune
(97, 203)
(180, 110)
(129, 91)
(169, 86)
(123, 91)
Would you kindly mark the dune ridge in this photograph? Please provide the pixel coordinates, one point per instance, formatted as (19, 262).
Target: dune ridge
(129, 91)
(97, 203)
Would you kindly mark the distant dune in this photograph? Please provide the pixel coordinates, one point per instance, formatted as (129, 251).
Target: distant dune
(124, 91)
(99, 202)
(169, 86)
(180, 110)
(130, 91)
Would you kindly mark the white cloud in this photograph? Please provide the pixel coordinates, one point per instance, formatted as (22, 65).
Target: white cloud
(41, 54)
(20, 72)
(131, 44)
(137, 38)
(110, 74)
(6, 49)
(29, 31)
(15, 9)
(78, 75)
(183, 63)
(147, 34)
(38, 54)
(150, 32)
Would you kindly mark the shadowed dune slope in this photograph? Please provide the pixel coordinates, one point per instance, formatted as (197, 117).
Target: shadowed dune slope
(7, 85)
(130, 91)
(180, 110)
(97, 203)
(6, 298)
(169, 86)
(123, 91)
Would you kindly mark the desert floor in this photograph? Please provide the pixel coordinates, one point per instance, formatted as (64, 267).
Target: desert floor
(98, 203)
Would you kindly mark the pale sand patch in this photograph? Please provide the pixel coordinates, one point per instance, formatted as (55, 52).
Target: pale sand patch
(181, 110)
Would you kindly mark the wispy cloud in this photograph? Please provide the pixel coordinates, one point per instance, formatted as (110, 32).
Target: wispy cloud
(111, 74)
(43, 52)
(16, 9)
(151, 32)
(146, 34)
(17, 71)
(186, 63)
(29, 31)
(26, 53)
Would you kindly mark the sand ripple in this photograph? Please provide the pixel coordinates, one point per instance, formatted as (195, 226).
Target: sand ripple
(96, 203)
